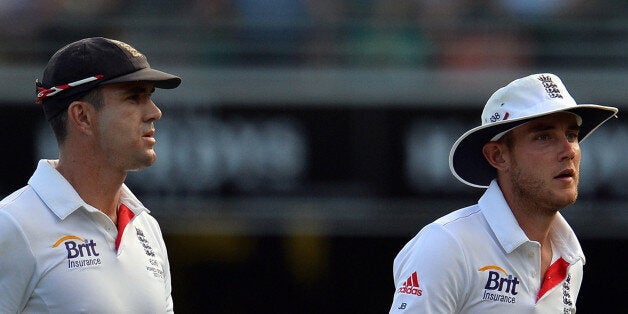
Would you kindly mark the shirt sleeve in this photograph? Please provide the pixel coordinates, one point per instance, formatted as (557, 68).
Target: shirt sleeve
(430, 274)
(17, 266)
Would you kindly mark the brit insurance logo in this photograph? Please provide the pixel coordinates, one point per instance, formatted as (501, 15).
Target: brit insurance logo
(81, 252)
(500, 285)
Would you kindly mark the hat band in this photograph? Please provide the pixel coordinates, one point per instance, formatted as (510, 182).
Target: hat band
(501, 134)
(43, 92)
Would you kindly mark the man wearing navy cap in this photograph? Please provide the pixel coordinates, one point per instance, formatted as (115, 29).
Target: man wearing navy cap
(512, 252)
(76, 239)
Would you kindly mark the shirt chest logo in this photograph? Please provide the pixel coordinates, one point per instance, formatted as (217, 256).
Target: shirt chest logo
(500, 286)
(153, 265)
(80, 252)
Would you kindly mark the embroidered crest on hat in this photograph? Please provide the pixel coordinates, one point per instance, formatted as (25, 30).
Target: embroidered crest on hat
(550, 87)
(128, 48)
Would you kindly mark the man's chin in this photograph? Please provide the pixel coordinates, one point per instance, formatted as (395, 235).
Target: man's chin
(567, 199)
(148, 160)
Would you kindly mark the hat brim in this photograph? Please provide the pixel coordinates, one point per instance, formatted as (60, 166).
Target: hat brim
(159, 78)
(467, 162)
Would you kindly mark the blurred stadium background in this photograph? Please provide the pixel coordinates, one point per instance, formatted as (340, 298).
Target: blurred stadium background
(309, 139)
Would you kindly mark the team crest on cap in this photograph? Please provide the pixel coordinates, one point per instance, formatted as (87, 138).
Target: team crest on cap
(550, 87)
(128, 48)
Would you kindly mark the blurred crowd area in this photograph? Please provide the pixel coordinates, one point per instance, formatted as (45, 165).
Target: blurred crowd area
(337, 33)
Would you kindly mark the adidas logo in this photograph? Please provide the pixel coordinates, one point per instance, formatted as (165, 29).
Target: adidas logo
(411, 286)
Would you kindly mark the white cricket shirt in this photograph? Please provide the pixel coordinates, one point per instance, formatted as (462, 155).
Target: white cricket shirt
(58, 255)
(478, 260)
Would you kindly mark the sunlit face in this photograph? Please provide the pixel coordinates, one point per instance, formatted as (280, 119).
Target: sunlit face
(126, 125)
(545, 162)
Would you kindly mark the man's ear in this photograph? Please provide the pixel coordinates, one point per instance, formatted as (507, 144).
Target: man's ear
(496, 155)
(81, 116)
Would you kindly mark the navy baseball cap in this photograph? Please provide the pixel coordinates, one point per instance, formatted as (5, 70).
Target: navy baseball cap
(82, 65)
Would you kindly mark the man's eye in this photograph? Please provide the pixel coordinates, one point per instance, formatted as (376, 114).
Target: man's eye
(572, 136)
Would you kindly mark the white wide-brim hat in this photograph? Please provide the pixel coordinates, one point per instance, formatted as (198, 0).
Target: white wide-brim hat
(520, 101)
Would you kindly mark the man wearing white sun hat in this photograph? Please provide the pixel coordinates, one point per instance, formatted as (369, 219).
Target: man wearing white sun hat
(512, 251)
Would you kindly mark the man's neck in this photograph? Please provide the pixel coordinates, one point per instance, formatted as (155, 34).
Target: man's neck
(97, 185)
(534, 217)
(535, 224)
